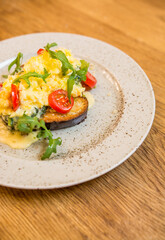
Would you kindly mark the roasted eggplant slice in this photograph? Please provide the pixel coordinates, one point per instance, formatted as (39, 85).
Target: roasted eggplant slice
(77, 114)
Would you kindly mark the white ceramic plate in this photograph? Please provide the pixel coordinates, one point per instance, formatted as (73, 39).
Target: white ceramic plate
(115, 127)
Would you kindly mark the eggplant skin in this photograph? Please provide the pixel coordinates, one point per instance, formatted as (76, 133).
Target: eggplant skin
(66, 124)
(77, 114)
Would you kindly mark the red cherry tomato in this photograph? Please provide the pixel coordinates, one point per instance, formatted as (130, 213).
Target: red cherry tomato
(59, 101)
(15, 96)
(90, 80)
(1, 85)
(40, 51)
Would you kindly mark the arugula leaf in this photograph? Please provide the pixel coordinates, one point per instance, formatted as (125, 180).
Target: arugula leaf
(62, 57)
(27, 124)
(47, 132)
(81, 74)
(76, 77)
(42, 134)
(52, 147)
(50, 45)
(26, 76)
(52, 142)
(16, 62)
(84, 64)
(5, 76)
(70, 83)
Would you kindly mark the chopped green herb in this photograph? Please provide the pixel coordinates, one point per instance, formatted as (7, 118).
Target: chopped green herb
(35, 113)
(43, 110)
(26, 76)
(11, 123)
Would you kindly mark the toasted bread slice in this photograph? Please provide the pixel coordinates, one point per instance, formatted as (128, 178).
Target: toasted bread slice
(77, 114)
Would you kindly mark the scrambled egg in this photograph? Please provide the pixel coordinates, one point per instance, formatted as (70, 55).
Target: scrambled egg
(36, 96)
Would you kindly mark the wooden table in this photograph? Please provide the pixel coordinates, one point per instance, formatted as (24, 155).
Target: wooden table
(128, 202)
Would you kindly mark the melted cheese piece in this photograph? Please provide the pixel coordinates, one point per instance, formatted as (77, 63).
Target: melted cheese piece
(15, 139)
(90, 99)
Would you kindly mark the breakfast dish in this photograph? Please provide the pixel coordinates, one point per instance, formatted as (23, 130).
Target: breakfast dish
(115, 126)
(45, 93)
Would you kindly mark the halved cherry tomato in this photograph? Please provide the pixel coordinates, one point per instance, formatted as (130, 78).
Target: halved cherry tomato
(59, 101)
(15, 96)
(90, 80)
(40, 51)
(1, 85)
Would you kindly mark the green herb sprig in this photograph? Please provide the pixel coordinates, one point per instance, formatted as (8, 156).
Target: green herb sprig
(26, 77)
(50, 45)
(81, 74)
(60, 56)
(77, 76)
(17, 61)
(27, 124)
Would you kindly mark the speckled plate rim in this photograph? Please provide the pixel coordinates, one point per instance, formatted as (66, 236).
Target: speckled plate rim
(119, 162)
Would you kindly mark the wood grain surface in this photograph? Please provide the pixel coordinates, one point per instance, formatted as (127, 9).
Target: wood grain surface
(128, 202)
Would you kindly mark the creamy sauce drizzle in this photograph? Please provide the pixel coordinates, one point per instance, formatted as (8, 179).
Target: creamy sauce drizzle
(15, 139)
(90, 99)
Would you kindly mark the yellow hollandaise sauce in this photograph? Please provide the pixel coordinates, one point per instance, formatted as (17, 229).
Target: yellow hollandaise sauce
(90, 99)
(14, 138)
